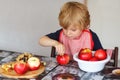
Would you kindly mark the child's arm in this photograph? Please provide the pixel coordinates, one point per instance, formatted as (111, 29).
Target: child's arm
(46, 41)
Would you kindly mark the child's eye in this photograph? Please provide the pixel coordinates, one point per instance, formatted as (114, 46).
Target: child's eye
(73, 29)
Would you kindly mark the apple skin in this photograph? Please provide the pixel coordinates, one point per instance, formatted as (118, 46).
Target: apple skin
(93, 59)
(100, 54)
(33, 63)
(85, 54)
(21, 68)
(63, 59)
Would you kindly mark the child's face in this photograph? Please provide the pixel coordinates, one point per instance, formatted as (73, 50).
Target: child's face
(72, 31)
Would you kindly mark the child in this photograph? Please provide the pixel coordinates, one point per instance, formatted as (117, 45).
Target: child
(75, 34)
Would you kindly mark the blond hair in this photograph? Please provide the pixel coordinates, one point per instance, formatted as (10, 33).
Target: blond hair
(74, 13)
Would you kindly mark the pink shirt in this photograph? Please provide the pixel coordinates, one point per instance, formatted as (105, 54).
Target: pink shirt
(73, 46)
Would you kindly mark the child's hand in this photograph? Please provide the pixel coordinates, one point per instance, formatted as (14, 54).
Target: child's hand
(60, 48)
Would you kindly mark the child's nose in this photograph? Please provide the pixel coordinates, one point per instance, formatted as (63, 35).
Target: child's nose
(68, 33)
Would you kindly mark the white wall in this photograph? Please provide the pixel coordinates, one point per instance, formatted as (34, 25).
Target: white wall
(105, 21)
(23, 22)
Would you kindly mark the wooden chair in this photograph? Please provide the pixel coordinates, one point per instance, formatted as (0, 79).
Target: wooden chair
(114, 59)
(113, 62)
(53, 52)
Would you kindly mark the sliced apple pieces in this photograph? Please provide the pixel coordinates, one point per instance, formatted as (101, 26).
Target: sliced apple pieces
(34, 63)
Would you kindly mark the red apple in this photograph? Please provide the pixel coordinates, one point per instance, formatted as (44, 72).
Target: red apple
(85, 54)
(33, 63)
(100, 54)
(63, 59)
(93, 59)
(21, 68)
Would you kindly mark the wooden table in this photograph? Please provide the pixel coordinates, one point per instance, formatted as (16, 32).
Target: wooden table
(52, 68)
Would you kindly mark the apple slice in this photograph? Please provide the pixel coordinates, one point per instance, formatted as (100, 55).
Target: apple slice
(33, 63)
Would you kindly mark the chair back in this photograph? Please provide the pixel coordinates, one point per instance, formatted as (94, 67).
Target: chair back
(114, 58)
(53, 52)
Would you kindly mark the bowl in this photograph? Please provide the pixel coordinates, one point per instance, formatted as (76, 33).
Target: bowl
(91, 66)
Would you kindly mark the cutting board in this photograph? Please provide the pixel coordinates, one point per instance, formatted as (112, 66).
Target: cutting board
(29, 74)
